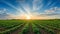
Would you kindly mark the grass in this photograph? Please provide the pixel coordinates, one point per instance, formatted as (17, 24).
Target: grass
(49, 26)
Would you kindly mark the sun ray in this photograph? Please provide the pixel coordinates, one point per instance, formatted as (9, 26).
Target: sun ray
(40, 7)
(27, 9)
(53, 4)
(13, 6)
(35, 2)
(48, 4)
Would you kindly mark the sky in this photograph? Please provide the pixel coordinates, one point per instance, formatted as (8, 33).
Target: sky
(36, 9)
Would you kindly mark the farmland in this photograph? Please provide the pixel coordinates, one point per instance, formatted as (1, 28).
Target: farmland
(30, 26)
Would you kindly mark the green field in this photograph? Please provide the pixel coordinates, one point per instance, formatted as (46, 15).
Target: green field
(30, 26)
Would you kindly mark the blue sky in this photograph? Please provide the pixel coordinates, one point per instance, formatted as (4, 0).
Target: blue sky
(34, 7)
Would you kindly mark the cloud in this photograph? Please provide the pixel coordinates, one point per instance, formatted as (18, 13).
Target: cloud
(36, 3)
(58, 9)
(52, 10)
(5, 15)
(51, 13)
(2, 10)
(47, 14)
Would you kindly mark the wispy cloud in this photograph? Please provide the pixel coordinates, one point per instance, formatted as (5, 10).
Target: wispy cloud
(48, 14)
(2, 10)
(37, 4)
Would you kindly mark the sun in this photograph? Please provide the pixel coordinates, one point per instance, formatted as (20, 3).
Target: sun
(25, 16)
(28, 17)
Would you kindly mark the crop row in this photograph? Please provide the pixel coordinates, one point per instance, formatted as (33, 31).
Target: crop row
(10, 26)
(25, 29)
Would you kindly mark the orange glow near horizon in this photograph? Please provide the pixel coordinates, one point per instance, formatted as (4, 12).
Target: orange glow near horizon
(29, 16)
